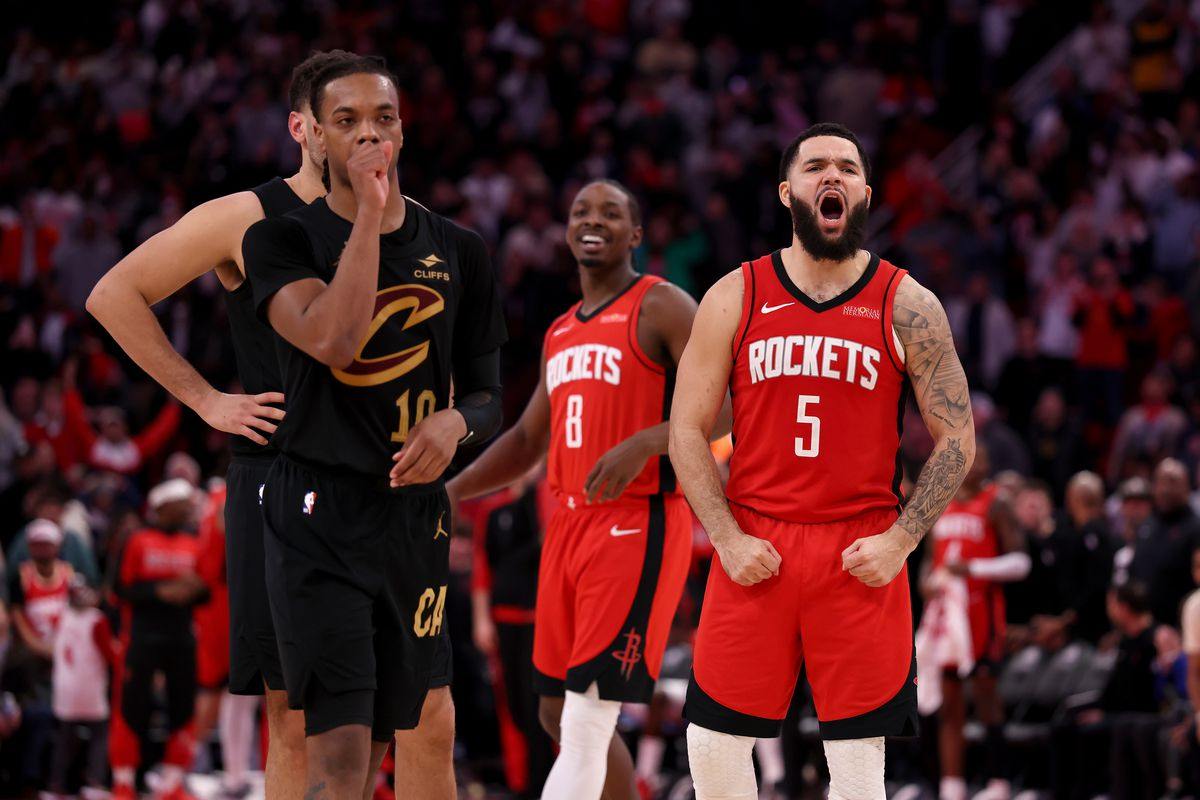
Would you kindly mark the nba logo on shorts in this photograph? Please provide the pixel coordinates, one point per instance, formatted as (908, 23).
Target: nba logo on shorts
(310, 500)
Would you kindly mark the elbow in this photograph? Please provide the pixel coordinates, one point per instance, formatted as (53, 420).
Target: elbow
(98, 299)
(335, 351)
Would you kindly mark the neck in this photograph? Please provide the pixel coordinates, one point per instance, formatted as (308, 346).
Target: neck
(306, 183)
(599, 284)
(342, 202)
(45, 568)
(806, 270)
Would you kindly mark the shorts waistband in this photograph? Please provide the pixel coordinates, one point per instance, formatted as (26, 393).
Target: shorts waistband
(378, 485)
(881, 516)
(573, 501)
(255, 458)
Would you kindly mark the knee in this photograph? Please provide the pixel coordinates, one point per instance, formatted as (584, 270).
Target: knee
(721, 764)
(856, 768)
(284, 725)
(435, 731)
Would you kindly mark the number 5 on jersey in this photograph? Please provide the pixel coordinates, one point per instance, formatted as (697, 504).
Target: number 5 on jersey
(574, 429)
(809, 448)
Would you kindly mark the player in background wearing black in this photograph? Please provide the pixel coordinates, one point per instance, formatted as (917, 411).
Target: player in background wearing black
(377, 301)
(209, 238)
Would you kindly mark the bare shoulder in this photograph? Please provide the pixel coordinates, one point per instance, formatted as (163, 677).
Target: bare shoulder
(917, 313)
(229, 216)
(726, 294)
(667, 298)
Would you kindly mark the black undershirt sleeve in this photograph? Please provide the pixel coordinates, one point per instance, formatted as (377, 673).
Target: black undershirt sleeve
(477, 395)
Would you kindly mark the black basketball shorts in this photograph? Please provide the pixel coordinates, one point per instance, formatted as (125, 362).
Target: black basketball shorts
(357, 576)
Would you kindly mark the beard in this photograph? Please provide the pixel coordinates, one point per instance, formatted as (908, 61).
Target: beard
(820, 246)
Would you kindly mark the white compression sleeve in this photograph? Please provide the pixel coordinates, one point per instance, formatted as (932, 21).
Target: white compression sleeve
(587, 727)
(1008, 567)
(722, 765)
(855, 769)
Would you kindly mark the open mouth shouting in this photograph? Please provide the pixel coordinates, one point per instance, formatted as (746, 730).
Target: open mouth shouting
(831, 210)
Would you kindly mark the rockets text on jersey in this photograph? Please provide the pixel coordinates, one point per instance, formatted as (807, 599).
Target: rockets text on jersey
(818, 392)
(603, 388)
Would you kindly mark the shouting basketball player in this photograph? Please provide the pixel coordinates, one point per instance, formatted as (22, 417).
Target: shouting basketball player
(818, 344)
(616, 553)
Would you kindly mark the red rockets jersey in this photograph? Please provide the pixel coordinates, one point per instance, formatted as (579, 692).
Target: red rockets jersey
(965, 532)
(818, 394)
(603, 388)
(150, 556)
(43, 600)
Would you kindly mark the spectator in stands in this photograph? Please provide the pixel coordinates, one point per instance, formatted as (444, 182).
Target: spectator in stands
(983, 331)
(1024, 379)
(1147, 432)
(1162, 553)
(1055, 440)
(38, 590)
(83, 651)
(1007, 449)
(1135, 505)
(1102, 313)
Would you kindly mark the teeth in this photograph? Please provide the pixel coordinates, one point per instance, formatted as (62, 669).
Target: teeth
(589, 239)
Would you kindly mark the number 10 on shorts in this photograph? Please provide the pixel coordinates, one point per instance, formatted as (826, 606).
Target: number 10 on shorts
(808, 447)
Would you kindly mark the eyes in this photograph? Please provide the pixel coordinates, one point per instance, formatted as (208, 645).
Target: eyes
(848, 170)
(348, 122)
(583, 210)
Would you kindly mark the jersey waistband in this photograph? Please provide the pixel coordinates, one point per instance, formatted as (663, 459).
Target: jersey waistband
(380, 485)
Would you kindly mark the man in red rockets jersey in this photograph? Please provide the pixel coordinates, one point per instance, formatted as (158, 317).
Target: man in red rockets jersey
(616, 550)
(159, 584)
(975, 539)
(819, 345)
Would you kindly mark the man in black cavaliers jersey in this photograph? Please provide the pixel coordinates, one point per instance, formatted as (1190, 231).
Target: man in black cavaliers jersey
(209, 238)
(378, 302)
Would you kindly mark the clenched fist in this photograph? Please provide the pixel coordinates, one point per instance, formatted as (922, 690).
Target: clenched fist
(748, 560)
(875, 560)
(368, 167)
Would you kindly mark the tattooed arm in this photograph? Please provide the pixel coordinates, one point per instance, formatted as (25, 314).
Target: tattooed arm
(940, 388)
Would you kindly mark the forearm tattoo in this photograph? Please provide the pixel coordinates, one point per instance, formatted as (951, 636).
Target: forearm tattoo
(940, 388)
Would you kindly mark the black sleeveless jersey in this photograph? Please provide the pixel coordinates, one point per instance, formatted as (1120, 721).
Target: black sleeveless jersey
(253, 340)
(436, 305)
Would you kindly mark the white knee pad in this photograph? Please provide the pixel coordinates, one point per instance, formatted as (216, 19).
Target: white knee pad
(586, 728)
(721, 764)
(855, 769)
(587, 721)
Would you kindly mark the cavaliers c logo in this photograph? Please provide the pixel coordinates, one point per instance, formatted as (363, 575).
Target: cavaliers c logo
(421, 303)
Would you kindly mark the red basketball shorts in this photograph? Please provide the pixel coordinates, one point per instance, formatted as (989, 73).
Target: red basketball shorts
(855, 642)
(212, 641)
(610, 579)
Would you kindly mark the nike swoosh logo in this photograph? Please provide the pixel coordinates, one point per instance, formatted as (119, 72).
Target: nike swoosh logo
(615, 531)
(766, 309)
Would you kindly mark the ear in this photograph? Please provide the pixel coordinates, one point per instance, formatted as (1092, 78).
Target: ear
(296, 126)
(785, 194)
(635, 238)
(400, 128)
(868, 197)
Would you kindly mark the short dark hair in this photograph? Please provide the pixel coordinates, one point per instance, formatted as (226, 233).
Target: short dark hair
(635, 208)
(1133, 596)
(308, 69)
(357, 65)
(823, 129)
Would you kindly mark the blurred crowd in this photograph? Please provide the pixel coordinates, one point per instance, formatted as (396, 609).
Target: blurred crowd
(1068, 265)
